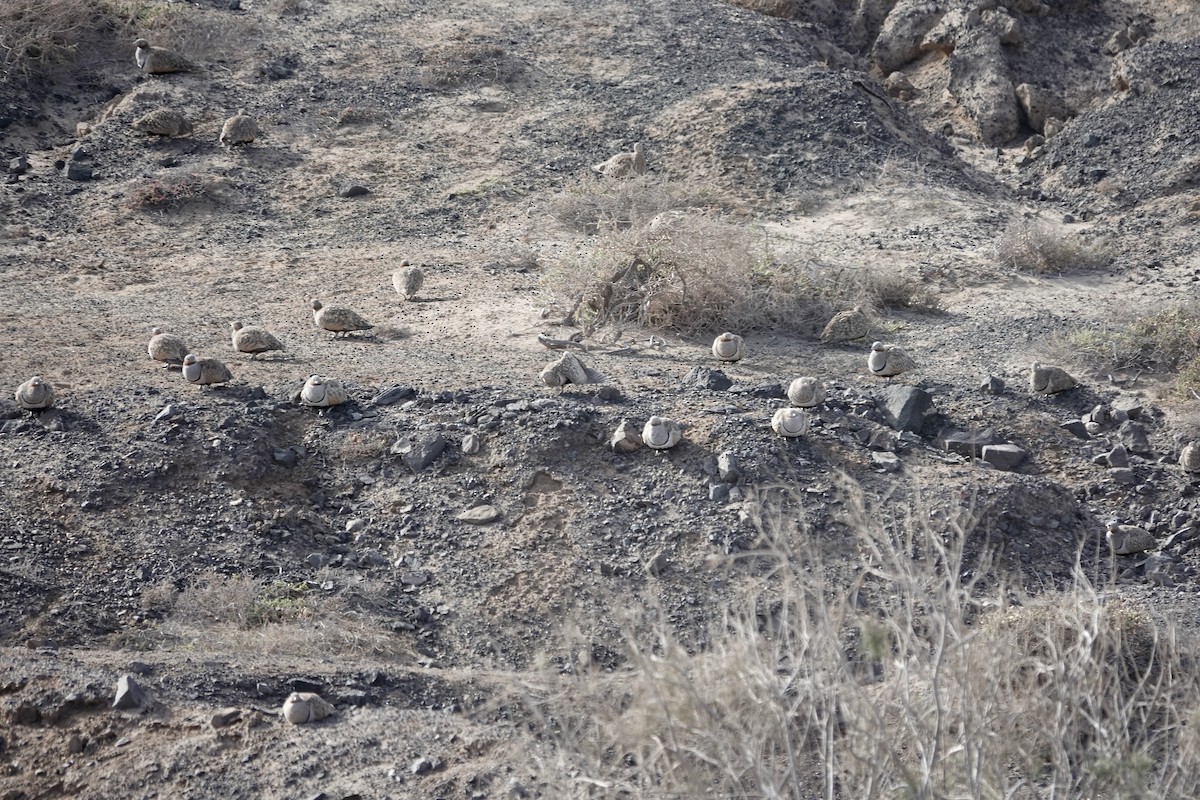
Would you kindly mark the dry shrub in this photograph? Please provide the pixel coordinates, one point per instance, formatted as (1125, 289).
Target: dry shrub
(37, 34)
(245, 614)
(881, 288)
(460, 63)
(591, 206)
(694, 276)
(174, 192)
(1167, 341)
(896, 683)
(1035, 246)
(203, 34)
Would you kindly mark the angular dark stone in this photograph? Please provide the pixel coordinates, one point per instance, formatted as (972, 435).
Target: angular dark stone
(78, 172)
(394, 394)
(700, 377)
(353, 190)
(1134, 437)
(1076, 428)
(904, 407)
(129, 694)
(19, 165)
(966, 443)
(420, 454)
(1003, 456)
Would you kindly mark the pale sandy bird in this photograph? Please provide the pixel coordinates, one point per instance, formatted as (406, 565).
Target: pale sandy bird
(35, 394)
(806, 392)
(302, 707)
(1189, 457)
(166, 348)
(622, 165)
(1128, 539)
(239, 129)
(888, 360)
(569, 368)
(159, 60)
(729, 347)
(408, 280)
(253, 339)
(163, 122)
(338, 320)
(846, 326)
(1050, 380)
(661, 433)
(323, 392)
(790, 422)
(204, 371)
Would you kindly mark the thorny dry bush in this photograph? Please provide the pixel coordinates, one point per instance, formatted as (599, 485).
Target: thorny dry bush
(461, 63)
(36, 34)
(174, 192)
(1036, 246)
(919, 679)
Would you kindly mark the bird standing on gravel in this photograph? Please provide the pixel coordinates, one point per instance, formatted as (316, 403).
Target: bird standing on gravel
(790, 422)
(806, 392)
(846, 326)
(888, 360)
(205, 371)
(163, 122)
(239, 129)
(408, 280)
(35, 394)
(661, 433)
(729, 347)
(253, 339)
(159, 60)
(1050, 380)
(623, 165)
(166, 348)
(338, 320)
(323, 392)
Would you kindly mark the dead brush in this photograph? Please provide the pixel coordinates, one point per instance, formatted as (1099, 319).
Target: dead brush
(173, 193)
(592, 206)
(38, 34)
(922, 674)
(698, 276)
(1037, 247)
(460, 63)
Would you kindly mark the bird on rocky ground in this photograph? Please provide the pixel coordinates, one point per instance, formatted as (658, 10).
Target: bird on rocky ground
(159, 60)
(338, 320)
(1128, 539)
(253, 339)
(1050, 380)
(35, 394)
(846, 326)
(239, 129)
(302, 707)
(806, 392)
(661, 433)
(622, 165)
(1189, 457)
(166, 348)
(408, 280)
(204, 371)
(163, 122)
(729, 347)
(790, 422)
(323, 392)
(888, 360)
(569, 368)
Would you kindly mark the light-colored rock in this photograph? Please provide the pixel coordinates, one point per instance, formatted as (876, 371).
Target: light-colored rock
(1002, 456)
(1189, 457)
(166, 348)
(902, 32)
(888, 360)
(479, 515)
(338, 320)
(472, 444)
(1050, 380)
(239, 129)
(846, 326)
(729, 347)
(35, 394)
(568, 368)
(1129, 539)
(981, 81)
(205, 371)
(790, 422)
(1038, 105)
(253, 339)
(408, 280)
(323, 392)
(303, 707)
(163, 122)
(626, 438)
(129, 694)
(806, 392)
(159, 60)
(661, 433)
(624, 165)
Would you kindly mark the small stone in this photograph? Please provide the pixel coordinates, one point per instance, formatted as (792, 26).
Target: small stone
(888, 462)
(394, 394)
(471, 444)
(316, 560)
(225, 717)
(700, 377)
(1003, 456)
(1122, 475)
(129, 694)
(78, 172)
(904, 407)
(19, 165)
(966, 443)
(992, 385)
(729, 468)
(420, 454)
(415, 578)
(421, 766)
(1134, 437)
(1117, 457)
(353, 190)
(626, 438)
(1076, 428)
(1128, 404)
(355, 525)
(718, 492)
(479, 515)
